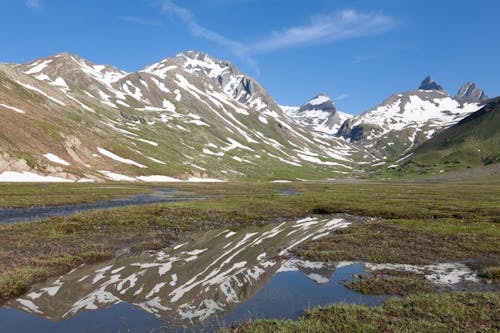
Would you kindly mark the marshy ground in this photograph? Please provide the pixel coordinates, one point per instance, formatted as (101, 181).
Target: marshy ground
(409, 223)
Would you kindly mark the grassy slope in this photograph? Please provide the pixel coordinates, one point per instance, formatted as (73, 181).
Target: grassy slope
(50, 127)
(473, 142)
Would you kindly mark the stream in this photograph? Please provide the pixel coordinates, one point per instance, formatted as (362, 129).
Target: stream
(37, 213)
(159, 195)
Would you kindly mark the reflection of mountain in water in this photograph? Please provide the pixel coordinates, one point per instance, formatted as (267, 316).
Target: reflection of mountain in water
(193, 281)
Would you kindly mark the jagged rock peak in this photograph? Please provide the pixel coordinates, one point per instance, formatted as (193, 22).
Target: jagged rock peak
(319, 102)
(469, 92)
(429, 84)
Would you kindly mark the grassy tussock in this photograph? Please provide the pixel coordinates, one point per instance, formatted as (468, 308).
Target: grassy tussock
(451, 312)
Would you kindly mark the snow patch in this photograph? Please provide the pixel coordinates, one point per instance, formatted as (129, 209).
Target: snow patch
(56, 159)
(115, 157)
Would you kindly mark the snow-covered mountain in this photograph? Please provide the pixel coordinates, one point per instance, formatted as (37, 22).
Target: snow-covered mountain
(187, 117)
(194, 117)
(319, 114)
(406, 119)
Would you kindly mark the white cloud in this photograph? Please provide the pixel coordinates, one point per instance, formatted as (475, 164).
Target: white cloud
(341, 25)
(346, 24)
(199, 31)
(141, 20)
(33, 4)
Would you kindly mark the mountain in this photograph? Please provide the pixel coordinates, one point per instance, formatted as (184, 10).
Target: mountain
(470, 93)
(474, 141)
(405, 120)
(193, 117)
(318, 114)
(429, 84)
(190, 117)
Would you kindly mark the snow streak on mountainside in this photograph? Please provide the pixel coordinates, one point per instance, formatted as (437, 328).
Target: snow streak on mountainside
(318, 114)
(191, 117)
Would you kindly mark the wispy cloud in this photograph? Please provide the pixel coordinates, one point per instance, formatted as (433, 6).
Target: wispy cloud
(34, 4)
(141, 20)
(197, 30)
(341, 97)
(346, 24)
(342, 25)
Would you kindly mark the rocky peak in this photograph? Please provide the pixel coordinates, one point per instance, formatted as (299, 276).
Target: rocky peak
(429, 84)
(470, 93)
(195, 61)
(319, 102)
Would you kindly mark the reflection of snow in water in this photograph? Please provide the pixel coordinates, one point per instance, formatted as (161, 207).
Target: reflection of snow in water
(193, 280)
(441, 274)
(207, 276)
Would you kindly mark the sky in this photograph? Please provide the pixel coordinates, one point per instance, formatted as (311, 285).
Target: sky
(358, 52)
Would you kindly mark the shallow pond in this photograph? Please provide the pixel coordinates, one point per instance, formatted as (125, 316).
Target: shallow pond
(18, 215)
(215, 278)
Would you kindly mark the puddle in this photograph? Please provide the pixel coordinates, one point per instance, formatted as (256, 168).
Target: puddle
(218, 278)
(287, 191)
(18, 215)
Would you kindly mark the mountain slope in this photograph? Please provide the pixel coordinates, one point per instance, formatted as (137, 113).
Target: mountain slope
(406, 120)
(189, 117)
(318, 114)
(472, 142)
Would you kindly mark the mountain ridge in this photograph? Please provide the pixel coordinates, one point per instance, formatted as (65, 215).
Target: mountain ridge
(406, 119)
(150, 124)
(194, 117)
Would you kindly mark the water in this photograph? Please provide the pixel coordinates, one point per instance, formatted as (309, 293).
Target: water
(17, 215)
(220, 277)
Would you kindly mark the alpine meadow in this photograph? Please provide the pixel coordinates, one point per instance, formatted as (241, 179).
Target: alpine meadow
(249, 166)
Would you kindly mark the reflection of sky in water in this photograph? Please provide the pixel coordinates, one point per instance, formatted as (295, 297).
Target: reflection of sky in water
(226, 276)
(286, 295)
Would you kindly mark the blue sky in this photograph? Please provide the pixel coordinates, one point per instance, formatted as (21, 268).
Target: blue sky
(359, 52)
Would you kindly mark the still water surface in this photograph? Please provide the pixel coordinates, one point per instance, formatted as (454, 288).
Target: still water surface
(215, 278)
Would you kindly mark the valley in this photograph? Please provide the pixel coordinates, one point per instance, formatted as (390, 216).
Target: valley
(184, 197)
(246, 166)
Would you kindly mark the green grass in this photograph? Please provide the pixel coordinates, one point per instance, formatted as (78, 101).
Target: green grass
(451, 312)
(391, 283)
(471, 143)
(407, 242)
